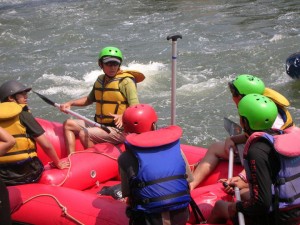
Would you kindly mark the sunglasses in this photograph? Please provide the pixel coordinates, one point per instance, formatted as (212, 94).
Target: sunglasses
(110, 64)
(234, 91)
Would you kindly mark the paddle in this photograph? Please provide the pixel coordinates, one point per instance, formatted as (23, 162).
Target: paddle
(68, 111)
(174, 71)
(234, 129)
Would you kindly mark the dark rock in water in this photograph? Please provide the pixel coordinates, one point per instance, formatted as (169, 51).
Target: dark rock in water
(292, 65)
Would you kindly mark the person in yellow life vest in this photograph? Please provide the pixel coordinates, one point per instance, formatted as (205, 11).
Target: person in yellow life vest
(20, 164)
(6, 142)
(241, 86)
(113, 92)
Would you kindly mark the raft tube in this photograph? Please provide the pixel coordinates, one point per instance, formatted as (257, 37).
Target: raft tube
(48, 205)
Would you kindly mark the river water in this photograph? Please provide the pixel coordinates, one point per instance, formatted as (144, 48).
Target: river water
(52, 45)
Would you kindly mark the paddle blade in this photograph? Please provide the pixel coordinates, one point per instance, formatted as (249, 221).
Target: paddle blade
(47, 100)
(231, 127)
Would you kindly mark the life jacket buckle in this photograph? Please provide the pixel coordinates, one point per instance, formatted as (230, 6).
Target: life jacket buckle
(280, 181)
(146, 201)
(141, 184)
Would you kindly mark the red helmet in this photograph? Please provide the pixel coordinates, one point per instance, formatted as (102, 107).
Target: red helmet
(139, 118)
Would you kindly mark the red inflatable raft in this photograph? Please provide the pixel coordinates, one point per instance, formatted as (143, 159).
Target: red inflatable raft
(70, 196)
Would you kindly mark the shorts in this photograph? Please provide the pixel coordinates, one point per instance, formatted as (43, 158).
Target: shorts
(98, 135)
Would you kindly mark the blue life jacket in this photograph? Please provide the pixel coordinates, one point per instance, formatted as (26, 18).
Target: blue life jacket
(286, 188)
(160, 184)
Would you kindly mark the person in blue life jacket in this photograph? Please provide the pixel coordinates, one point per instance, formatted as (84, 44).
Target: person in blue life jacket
(112, 92)
(154, 172)
(6, 142)
(272, 163)
(241, 86)
(20, 164)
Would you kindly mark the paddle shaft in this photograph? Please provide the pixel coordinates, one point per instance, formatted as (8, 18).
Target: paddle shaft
(174, 72)
(236, 189)
(233, 129)
(88, 121)
(68, 111)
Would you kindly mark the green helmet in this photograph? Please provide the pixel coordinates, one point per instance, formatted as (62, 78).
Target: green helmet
(248, 84)
(260, 111)
(111, 52)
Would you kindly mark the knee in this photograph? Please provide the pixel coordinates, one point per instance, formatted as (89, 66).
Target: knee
(69, 124)
(216, 149)
(83, 134)
(219, 208)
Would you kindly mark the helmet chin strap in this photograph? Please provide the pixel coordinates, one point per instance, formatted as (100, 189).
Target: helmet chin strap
(247, 130)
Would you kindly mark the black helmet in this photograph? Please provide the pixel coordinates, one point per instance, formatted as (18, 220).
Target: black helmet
(12, 87)
(292, 65)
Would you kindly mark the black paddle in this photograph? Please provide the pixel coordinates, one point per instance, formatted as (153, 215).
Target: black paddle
(68, 111)
(231, 127)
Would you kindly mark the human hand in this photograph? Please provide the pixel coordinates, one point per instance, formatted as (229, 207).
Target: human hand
(228, 189)
(228, 145)
(65, 106)
(233, 182)
(60, 164)
(118, 120)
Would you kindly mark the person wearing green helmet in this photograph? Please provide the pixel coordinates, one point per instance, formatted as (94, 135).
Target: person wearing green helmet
(113, 92)
(239, 87)
(271, 159)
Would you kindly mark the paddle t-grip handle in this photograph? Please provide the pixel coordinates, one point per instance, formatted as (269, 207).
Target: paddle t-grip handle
(174, 37)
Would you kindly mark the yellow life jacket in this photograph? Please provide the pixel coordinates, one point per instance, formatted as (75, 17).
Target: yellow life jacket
(109, 99)
(10, 121)
(281, 103)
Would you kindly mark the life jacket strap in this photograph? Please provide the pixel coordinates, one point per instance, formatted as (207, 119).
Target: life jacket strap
(197, 212)
(161, 198)
(291, 199)
(283, 180)
(20, 135)
(141, 184)
(20, 152)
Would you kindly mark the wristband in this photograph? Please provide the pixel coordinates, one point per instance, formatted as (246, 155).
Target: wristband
(243, 178)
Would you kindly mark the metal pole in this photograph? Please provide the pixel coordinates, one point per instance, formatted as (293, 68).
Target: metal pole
(174, 72)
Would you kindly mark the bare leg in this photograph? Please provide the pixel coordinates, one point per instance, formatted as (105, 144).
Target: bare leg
(85, 139)
(219, 213)
(208, 163)
(71, 129)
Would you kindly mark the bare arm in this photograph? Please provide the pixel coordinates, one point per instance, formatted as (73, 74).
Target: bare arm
(6, 141)
(84, 101)
(50, 151)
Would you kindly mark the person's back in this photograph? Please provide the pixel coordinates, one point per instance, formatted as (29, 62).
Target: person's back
(271, 159)
(147, 178)
(241, 86)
